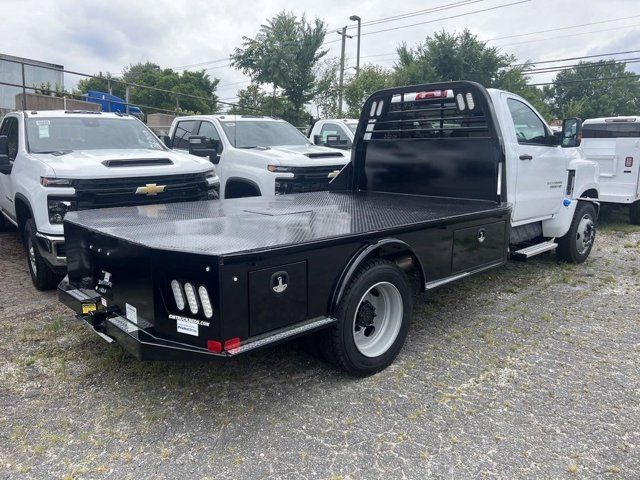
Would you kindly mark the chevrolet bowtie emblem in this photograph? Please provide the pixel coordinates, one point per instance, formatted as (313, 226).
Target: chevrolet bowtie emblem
(150, 189)
(333, 174)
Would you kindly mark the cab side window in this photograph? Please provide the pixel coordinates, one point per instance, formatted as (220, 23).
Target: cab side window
(530, 129)
(208, 129)
(10, 129)
(184, 130)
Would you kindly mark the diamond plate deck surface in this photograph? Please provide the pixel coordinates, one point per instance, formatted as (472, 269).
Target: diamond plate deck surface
(249, 224)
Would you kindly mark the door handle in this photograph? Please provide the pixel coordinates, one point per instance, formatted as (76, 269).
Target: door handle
(526, 157)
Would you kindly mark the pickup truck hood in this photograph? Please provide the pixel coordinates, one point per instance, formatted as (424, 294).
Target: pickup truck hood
(302, 155)
(89, 164)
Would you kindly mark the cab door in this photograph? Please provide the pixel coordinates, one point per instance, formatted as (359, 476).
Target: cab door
(540, 164)
(9, 128)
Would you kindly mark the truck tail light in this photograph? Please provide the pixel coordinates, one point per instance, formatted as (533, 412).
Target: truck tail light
(178, 296)
(434, 94)
(191, 297)
(628, 162)
(205, 301)
(232, 343)
(214, 346)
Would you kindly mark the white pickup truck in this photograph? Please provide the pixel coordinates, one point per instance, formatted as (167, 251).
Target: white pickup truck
(256, 155)
(334, 133)
(52, 162)
(614, 143)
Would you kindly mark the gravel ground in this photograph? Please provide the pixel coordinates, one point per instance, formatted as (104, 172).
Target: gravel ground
(529, 371)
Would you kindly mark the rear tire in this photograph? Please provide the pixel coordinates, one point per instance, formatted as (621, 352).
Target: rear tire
(41, 274)
(373, 320)
(634, 213)
(576, 245)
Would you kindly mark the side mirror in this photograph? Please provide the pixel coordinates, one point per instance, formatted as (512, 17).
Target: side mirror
(5, 164)
(334, 141)
(204, 147)
(166, 139)
(317, 139)
(571, 135)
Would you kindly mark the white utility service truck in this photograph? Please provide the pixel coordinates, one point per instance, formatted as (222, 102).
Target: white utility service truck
(257, 155)
(614, 143)
(53, 162)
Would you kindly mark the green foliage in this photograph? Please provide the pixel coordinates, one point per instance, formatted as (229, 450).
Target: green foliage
(47, 89)
(149, 74)
(327, 97)
(370, 79)
(252, 100)
(570, 96)
(285, 54)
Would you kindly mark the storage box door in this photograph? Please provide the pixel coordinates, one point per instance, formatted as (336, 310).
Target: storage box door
(277, 297)
(474, 247)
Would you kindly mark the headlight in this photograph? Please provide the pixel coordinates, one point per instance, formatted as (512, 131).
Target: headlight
(56, 182)
(278, 169)
(212, 178)
(58, 208)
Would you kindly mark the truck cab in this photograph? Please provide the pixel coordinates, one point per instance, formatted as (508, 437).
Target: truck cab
(257, 155)
(334, 132)
(614, 143)
(53, 162)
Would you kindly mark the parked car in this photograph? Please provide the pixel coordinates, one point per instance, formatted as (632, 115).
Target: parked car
(423, 202)
(614, 143)
(257, 156)
(112, 103)
(334, 133)
(53, 162)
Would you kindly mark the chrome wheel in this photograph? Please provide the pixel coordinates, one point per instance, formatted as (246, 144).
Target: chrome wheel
(31, 251)
(585, 234)
(378, 319)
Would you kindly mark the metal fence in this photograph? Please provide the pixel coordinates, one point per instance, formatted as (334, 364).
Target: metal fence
(25, 76)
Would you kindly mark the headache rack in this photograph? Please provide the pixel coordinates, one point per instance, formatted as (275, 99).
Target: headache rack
(437, 140)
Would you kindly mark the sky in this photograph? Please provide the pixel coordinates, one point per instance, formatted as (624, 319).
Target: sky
(92, 37)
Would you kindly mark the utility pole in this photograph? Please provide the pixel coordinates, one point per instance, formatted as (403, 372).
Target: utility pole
(356, 18)
(343, 33)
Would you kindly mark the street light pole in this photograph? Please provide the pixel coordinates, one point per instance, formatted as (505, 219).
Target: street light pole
(343, 33)
(356, 18)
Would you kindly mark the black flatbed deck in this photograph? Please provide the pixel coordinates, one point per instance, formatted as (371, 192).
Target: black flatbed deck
(248, 225)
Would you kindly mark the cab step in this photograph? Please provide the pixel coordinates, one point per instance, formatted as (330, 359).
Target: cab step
(534, 250)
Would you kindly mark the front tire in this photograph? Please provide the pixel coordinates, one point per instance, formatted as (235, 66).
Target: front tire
(373, 320)
(576, 245)
(41, 274)
(634, 213)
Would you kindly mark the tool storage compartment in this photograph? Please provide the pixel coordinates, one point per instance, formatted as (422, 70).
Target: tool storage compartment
(477, 246)
(277, 297)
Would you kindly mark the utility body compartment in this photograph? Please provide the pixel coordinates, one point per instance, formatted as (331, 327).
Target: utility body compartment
(425, 188)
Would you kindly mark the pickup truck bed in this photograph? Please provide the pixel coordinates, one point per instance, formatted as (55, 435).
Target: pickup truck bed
(250, 225)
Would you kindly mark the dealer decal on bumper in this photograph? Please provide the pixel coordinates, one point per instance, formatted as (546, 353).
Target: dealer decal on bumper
(188, 326)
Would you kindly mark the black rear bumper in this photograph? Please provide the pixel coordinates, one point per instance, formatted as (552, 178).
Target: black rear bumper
(139, 340)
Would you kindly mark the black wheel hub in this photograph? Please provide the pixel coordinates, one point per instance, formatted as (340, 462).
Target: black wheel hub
(365, 318)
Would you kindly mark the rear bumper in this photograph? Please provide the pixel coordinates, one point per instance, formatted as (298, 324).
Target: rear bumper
(139, 339)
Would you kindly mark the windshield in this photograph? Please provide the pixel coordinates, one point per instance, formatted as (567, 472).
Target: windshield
(352, 127)
(251, 134)
(46, 135)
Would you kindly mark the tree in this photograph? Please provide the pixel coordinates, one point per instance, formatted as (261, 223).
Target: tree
(451, 56)
(370, 79)
(194, 84)
(595, 89)
(328, 89)
(285, 54)
(254, 101)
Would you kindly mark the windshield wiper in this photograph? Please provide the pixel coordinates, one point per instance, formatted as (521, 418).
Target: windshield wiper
(57, 153)
(260, 147)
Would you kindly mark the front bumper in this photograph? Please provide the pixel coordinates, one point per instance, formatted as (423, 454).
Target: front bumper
(52, 249)
(139, 338)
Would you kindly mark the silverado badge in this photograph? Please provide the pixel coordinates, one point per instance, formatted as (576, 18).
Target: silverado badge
(150, 189)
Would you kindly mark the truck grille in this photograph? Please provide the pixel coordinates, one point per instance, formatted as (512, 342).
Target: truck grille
(307, 179)
(118, 192)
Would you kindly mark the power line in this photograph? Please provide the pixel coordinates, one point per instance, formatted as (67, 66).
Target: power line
(579, 66)
(570, 35)
(619, 77)
(536, 62)
(561, 28)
